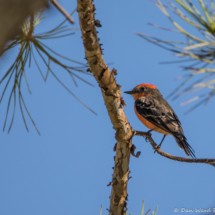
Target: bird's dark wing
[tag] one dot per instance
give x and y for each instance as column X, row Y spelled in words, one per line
column 159, row 113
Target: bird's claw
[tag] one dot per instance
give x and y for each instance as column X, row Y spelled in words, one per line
column 149, row 134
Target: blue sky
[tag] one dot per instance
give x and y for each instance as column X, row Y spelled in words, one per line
column 66, row 170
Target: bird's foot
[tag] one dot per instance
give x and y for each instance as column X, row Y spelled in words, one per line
column 149, row 134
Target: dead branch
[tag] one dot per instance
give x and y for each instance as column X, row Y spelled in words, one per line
column 62, row 10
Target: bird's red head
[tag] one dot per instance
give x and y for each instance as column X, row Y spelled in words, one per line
column 141, row 90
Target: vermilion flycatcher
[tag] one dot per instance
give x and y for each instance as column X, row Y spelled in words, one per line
column 157, row 115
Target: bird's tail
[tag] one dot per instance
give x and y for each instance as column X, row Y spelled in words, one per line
column 183, row 144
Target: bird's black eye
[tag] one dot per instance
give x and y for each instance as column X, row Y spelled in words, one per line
column 142, row 89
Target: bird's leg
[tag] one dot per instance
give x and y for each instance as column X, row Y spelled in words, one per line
column 149, row 132
column 161, row 141
column 159, row 146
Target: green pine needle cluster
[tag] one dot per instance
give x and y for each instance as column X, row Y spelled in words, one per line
column 30, row 45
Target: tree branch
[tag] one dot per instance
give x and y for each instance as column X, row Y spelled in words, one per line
column 62, row 10
column 188, row 160
column 113, row 101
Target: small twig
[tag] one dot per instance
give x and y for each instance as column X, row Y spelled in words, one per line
column 188, row 160
column 62, row 10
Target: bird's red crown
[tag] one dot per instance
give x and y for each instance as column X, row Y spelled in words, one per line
column 145, row 85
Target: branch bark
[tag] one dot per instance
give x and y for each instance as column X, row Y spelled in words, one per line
column 113, row 101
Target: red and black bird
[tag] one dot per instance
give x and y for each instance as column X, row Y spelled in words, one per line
column 157, row 115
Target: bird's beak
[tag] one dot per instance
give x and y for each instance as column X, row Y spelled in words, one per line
column 131, row 92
